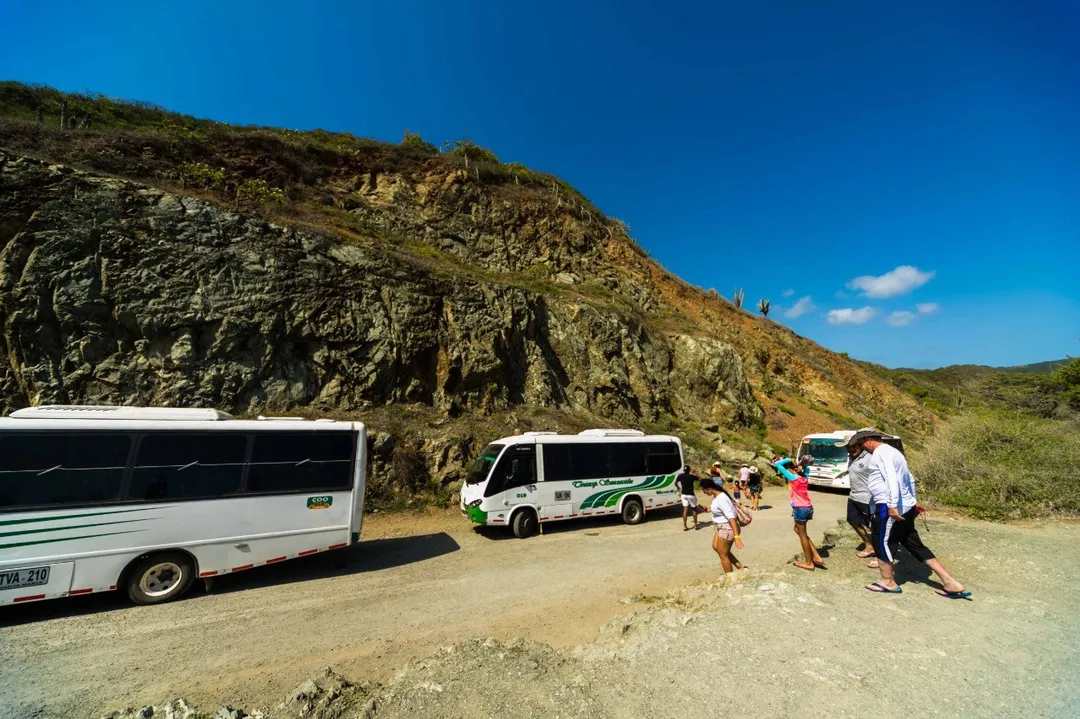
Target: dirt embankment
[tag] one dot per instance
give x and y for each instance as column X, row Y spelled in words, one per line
column 773, row 641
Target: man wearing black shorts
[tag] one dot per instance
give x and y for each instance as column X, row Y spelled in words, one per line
column 892, row 490
column 858, row 504
column 686, row 480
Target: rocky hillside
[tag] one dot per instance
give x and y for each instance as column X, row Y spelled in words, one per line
column 443, row 297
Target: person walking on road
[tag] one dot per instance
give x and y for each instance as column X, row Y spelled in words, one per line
column 726, row 520
column 754, row 486
column 802, row 509
column 686, row 480
column 892, row 490
column 742, row 488
column 858, row 504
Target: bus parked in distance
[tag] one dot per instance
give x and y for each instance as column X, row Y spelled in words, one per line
column 538, row 477
column 146, row 500
column 831, row 462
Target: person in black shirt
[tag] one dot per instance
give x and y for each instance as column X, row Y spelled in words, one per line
column 686, row 480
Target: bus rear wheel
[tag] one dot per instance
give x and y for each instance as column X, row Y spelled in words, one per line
column 160, row 578
column 632, row 511
column 525, row 524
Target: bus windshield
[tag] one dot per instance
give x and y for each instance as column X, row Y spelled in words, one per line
column 481, row 467
column 825, row 451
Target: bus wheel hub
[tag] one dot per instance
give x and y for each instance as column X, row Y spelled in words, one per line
column 161, row 579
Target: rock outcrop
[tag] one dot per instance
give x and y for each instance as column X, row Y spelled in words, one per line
column 113, row 292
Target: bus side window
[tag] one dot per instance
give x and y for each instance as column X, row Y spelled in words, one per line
column 301, row 462
column 556, row 462
column 627, row 459
column 61, row 468
column 172, row 466
column 663, row 458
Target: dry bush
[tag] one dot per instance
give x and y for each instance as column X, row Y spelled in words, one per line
column 1001, row 464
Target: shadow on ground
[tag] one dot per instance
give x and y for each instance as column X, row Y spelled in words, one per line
column 581, row 525
column 368, row 556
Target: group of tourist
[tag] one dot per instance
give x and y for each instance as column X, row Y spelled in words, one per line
column 881, row 509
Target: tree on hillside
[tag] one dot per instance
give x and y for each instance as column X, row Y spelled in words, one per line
column 1067, row 380
column 470, row 151
column 738, row 297
column 763, row 307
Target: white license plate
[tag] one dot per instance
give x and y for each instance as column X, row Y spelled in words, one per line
column 19, row 578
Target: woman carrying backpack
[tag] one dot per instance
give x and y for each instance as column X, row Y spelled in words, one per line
column 726, row 517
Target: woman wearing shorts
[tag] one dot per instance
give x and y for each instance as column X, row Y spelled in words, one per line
column 802, row 509
column 725, row 518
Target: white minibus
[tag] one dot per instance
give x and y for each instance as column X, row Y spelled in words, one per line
column 146, row 500
column 537, row 477
column 830, row 461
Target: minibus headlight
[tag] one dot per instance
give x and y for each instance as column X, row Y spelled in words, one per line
column 474, row 503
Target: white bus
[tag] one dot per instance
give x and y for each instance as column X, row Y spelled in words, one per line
column 830, row 461
column 146, row 500
column 538, row 477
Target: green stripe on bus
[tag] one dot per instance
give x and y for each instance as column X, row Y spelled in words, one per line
column 6, row 522
column 609, row 497
column 74, row 526
column 67, row 539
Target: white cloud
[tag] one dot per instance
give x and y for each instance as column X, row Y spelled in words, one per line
column 900, row 281
column 800, row 308
column 788, row 293
column 848, row 316
column 901, row 318
column 927, row 308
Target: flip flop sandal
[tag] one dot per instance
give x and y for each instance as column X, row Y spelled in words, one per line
column 882, row 589
column 865, row 555
column 800, row 565
column 820, row 565
column 952, row 595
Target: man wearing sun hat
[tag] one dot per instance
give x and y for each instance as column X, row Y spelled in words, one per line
column 892, row 494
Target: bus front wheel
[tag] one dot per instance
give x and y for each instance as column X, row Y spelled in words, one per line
column 525, row 524
column 160, row 577
column 632, row 511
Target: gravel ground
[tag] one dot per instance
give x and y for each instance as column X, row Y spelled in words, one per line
column 790, row 643
column 767, row 642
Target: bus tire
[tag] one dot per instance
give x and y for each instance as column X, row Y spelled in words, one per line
column 525, row 523
column 632, row 511
column 159, row 577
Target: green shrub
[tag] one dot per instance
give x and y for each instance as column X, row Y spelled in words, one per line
column 470, row 151
column 258, row 192
column 787, row 411
column 414, row 141
column 1002, row 464
column 201, row 175
column 768, row 385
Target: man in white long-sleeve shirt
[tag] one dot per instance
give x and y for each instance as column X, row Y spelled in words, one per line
column 892, row 495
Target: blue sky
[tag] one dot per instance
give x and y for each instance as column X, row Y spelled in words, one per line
column 777, row 146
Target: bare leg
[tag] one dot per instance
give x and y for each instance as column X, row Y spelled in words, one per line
column 888, row 577
column 684, row 510
column 865, row 537
column 947, row 580
column 727, row 560
column 807, row 547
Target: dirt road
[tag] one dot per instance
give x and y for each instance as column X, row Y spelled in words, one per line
column 785, row 642
column 415, row 582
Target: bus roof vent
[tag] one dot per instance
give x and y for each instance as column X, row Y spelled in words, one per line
column 58, row 411
column 612, row 433
column 540, row 434
column 264, row 418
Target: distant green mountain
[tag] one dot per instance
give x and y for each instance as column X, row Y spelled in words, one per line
column 1038, row 367
column 946, row 390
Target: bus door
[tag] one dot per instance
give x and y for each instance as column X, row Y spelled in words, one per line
column 516, row 475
